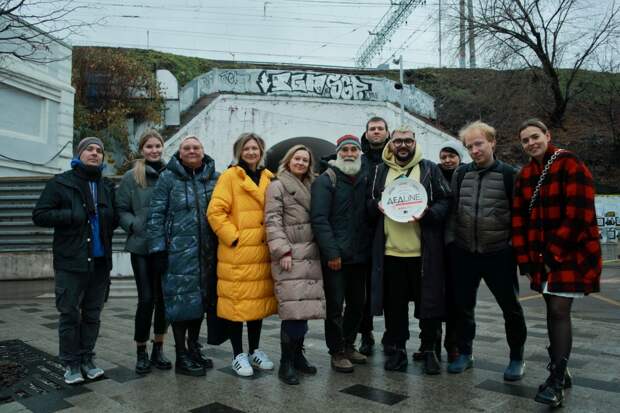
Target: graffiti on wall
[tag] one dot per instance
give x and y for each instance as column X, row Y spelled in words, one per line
column 334, row 86
column 608, row 218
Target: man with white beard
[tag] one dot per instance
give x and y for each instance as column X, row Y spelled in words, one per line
column 340, row 225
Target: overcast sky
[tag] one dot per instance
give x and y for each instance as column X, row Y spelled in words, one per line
column 318, row 32
column 324, row 32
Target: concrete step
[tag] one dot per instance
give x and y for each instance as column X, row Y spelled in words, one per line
column 123, row 288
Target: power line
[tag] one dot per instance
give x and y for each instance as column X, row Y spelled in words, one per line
column 386, row 27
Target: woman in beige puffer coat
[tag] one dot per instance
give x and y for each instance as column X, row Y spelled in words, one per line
column 295, row 258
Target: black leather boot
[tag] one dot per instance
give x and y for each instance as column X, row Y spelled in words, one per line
column 551, row 392
column 568, row 378
column 286, row 371
column 367, row 345
column 185, row 365
column 431, row 364
column 158, row 358
column 299, row 361
column 143, row 365
column 197, row 355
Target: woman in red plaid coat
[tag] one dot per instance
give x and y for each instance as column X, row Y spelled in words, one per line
column 556, row 241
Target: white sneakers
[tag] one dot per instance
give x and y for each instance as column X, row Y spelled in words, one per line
column 242, row 364
column 260, row 360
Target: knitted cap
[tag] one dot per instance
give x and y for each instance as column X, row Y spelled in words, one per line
column 348, row 140
column 453, row 147
column 88, row 141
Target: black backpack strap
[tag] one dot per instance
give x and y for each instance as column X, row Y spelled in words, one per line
column 331, row 174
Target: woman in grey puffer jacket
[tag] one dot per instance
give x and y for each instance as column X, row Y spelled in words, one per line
column 295, row 258
column 132, row 201
column 179, row 233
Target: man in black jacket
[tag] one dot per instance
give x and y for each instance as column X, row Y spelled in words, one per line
column 340, row 225
column 79, row 205
column 404, row 251
column 374, row 140
column 479, row 230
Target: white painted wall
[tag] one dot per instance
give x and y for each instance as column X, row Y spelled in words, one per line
column 280, row 118
column 36, row 113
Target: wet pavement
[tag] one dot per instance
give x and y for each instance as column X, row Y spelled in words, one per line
column 28, row 337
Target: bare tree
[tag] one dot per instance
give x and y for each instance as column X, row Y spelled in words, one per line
column 556, row 37
column 29, row 28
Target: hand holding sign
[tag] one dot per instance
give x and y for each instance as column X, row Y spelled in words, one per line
column 404, row 200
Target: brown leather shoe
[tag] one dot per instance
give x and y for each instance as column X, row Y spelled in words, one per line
column 354, row 356
column 341, row 363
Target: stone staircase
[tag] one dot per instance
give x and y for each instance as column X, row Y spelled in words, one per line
column 18, row 196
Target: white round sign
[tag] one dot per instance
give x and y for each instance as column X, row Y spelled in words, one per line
column 404, row 199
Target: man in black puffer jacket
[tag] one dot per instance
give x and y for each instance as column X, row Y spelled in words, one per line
column 79, row 205
column 340, row 225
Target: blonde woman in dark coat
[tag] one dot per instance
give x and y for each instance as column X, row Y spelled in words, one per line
column 295, row 258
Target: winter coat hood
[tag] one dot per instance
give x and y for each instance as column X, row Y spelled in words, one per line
column 390, row 159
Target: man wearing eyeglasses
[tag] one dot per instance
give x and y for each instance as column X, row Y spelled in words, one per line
column 402, row 252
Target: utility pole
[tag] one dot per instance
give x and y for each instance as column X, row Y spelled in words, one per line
column 439, row 33
column 472, row 36
column 383, row 31
column 402, row 91
column 462, row 34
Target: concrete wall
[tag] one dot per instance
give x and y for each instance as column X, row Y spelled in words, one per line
column 336, row 86
column 278, row 118
column 30, row 266
column 36, row 113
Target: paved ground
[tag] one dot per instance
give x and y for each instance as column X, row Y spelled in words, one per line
column 595, row 364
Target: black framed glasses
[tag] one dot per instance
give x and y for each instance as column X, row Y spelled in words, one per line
column 403, row 142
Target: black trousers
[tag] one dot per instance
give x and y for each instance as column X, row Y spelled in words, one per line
column 79, row 300
column 295, row 329
column 499, row 272
column 366, row 326
column 346, row 285
column 148, row 282
column 402, row 284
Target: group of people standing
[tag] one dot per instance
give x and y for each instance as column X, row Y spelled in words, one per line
column 245, row 244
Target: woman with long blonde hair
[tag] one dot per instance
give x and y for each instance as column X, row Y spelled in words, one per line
column 295, row 259
column 245, row 287
column 133, row 198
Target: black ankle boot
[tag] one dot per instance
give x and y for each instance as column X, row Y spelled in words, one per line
column 431, row 364
column 197, row 355
column 367, row 345
column 143, row 365
column 286, row 371
column 397, row 361
column 185, row 365
column 158, row 358
column 568, row 378
column 551, row 392
column 299, row 361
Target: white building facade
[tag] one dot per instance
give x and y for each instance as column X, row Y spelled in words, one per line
column 36, row 111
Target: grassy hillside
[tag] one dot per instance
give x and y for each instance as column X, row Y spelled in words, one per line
column 502, row 98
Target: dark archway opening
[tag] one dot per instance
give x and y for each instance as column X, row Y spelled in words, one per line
column 319, row 148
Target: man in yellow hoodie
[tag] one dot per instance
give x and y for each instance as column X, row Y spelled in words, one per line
column 407, row 258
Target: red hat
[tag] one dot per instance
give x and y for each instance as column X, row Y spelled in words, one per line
column 348, row 140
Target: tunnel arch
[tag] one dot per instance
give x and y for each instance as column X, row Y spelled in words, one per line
column 319, row 147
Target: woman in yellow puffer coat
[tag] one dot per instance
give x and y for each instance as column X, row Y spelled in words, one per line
column 245, row 287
